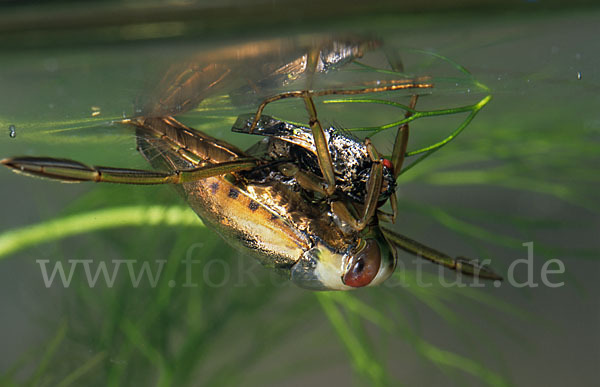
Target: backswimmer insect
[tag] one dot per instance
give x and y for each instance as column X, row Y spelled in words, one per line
column 304, row 200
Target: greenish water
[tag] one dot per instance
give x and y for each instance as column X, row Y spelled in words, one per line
column 525, row 170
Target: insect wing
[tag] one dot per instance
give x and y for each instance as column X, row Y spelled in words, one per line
column 247, row 72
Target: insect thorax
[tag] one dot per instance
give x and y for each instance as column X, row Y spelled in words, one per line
column 351, row 163
column 287, row 142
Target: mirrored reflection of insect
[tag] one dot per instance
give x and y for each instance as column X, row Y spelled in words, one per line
column 304, row 200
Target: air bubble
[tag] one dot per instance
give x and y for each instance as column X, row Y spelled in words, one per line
column 579, row 76
column 12, row 132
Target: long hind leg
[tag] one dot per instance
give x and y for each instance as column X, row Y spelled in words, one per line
column 73, row 171
column 460, row 264
column 192, row 155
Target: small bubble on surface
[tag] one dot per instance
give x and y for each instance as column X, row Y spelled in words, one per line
column 12, row 131
column 579, row 76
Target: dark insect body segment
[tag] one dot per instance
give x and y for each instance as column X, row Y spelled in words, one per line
column 351, row 162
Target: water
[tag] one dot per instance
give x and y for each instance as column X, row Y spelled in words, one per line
column 523, row 171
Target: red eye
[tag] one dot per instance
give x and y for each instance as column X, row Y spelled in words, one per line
column 363, row 266
column 388, row 164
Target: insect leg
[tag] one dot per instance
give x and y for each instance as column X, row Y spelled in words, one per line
column 373, row 190
column 307, row 180
column 73, row 171
column 460, row 264
column 402, row 140
column 266, row 101
column 372, row 197
column 312, row 61
column 398, row 155
column 373, row 184
column 325, row 162
column 390, row 218
column 417, row 83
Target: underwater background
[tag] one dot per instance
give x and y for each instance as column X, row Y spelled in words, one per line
column 520, row 182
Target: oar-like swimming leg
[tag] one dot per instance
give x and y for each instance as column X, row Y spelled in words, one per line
column 73, row 171
column 461, row 264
